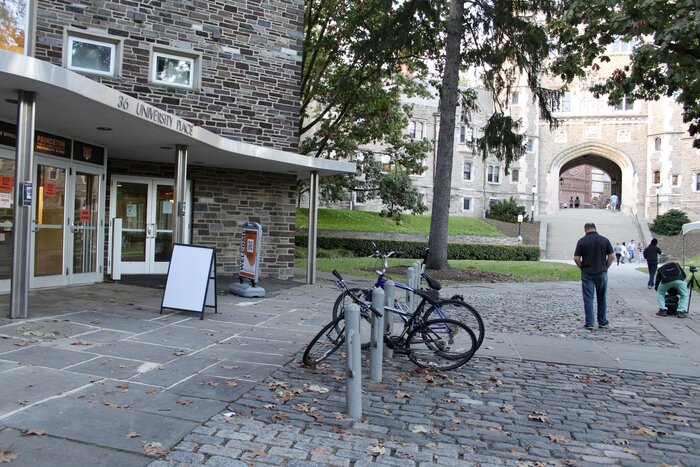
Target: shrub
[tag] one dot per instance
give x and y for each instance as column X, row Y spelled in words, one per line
column 669, row 223
column 302, row 252
column 364, row 247
column 506, row 211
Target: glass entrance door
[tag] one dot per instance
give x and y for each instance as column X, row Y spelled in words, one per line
column 7, row 186
column 86, row 253
column 146, row 209
column 48, row 266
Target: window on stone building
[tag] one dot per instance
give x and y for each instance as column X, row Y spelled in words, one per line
column 493, row 174
column 530, row 144
column 416, row 130
column 621, row 46
column 467, row 171
column 657, row 144
column 674, row 179
column 656, row 177
column 90, row 54
column 561, row 101
column 515, row 175
column 515, row 98
column 627, row 103
column 466, row 204
column 386, row 162
column 696, row 179
column 174, row 68
column 359, row 195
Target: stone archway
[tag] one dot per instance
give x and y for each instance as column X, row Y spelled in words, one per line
column 604, row 157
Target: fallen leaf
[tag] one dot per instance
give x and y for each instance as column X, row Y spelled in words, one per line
column 79, row 342
column 507, row 409
column 133, row 434
column 339, row 416
column 123, row 386
column 155, row 449
column 538, row 417
column 114, row 405
column 209, row 383
column 630, row 451
column 124, row 365
column 621, row 442
column 258, row 453
column 269, row 406
column 279, row 416
column 494, row 379
column 179, row 353
column 276, row 384
column 304, row 407
column 232, row 383
column 419, row 429
column 23, row 402
column 183, row 402
column 402, row 395
column 229, row 367
column 151, row 390
column 318, row 389
column 6, row 456
column 558, row 438
column 33, row 431
column 377, row 449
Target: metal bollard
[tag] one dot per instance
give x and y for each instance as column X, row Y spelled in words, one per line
column 353, row 380
column 417, row 266
column 377, row 342
column 389, row 291
column 410, row 279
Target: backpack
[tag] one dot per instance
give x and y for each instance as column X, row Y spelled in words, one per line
column 670, row 272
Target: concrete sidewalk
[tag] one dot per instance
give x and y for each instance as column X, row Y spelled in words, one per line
column 107, row 380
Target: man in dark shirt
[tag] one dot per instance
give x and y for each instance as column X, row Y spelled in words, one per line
column 651, row 254
column 594, row 255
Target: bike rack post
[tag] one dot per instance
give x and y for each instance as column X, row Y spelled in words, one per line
column 417, row 267
column 353, row 380
column 389, row 294
column 410, row 279
column 377, row 342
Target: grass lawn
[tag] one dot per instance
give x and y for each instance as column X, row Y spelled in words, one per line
column 525, row 271
column 363, row 221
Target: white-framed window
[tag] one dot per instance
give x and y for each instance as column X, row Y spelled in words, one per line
column 627, row 103
column 466, row 135
column 53, row 173
column 493, row 173
column 515, row 98
column 696, row 181
column 561, row 102
column 385, row 159
column 530, row 144
column 359, row 195
column 657, row 144
column 656, row 177
column 621, row 46
column 174, row 68
column 466, row 204
column 515, row 175
column 467, row 171
column 92, row 54
column 674, row 179
column 415, row 129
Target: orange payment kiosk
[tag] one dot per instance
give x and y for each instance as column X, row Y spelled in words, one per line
column 249, row 270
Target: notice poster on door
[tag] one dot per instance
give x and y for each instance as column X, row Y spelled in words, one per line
column 50, row 190
column 132, row 210
column 250, row 251
column 5, row 200
column 7, row 184
column 85, row 215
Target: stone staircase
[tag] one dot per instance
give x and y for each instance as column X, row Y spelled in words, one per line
column 566, row 227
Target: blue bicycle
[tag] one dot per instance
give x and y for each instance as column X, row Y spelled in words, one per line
column 430, row 305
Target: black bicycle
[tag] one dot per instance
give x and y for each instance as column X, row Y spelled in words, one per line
column 429, row 302
column 442, row 344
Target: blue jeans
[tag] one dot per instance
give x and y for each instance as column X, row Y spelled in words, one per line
column 652, row 273
column 682, row 292
column 594, row 283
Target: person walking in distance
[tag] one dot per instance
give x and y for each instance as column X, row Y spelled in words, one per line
column 594, row 255
column 613, row 202
column 577, row 202
column 618, row 252
column 651, row 254
column 631, row 248
column 624, row 253
column 571, row 202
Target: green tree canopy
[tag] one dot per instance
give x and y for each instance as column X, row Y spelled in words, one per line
column 665, row 61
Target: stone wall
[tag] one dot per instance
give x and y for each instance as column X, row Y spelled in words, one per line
column 223, row 200
column 250, row 58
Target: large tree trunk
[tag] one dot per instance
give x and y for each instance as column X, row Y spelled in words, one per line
column 442, row 185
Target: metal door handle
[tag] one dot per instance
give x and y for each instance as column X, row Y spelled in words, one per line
column 150, row 230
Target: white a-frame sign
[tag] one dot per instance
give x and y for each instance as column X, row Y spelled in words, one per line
column 191, row 282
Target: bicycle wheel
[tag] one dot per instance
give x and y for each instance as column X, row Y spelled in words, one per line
column 441, row 344
column 344, row 300
column 326, row 342
column 460, row 311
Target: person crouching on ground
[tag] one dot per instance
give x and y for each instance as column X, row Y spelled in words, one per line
column 671, row 275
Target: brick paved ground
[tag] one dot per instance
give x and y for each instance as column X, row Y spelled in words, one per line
column 491, row 412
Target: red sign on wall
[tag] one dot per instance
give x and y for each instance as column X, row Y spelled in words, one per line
column 50, row 190
column 85, row 215
column 7, row 184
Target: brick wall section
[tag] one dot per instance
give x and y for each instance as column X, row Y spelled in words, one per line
column 250, row 75
column 223, row 200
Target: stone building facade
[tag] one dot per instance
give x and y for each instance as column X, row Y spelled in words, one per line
column 640, row 151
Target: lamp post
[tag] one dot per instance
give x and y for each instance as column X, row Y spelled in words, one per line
column 532, row 208
column 658, row 192
column 521, row 217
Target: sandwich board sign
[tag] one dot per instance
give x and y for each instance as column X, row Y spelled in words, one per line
column 191, row 281
column 250, row 262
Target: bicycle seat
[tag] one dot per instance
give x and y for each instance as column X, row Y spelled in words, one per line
column 432, row 283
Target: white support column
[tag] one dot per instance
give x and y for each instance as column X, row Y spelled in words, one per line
column 22, row 220
column 313, row 228
column 179, row 195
